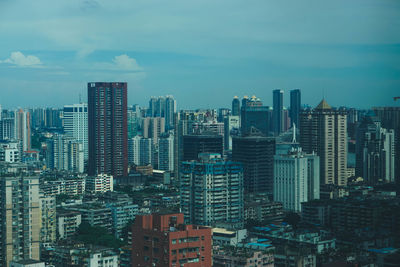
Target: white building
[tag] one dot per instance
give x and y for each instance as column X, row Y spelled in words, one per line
column 100, row 183
column 296, row 178
column 231, row 127
column 22, row 128
column 75, row 123
column 9, row 152
column 166, row 153
column 67, row 223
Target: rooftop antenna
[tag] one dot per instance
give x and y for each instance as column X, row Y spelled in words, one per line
column 80, row 98
column 294, row 133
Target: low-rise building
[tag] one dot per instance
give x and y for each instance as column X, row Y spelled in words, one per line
column 99, row 184
column 224, row 237
column 242, row 257
column 67, row 223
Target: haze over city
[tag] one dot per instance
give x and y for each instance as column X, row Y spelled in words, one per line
column 203, row 53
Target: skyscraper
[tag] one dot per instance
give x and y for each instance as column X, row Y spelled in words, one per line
column 296, row 178
column 256, row 153
column 323, row 130
column 375, row 152
column 278, row 111
column 20, row 214
column 254, row 114
column 170, row 110
column 295, row 106
column 235, row 106
column 75, row 123
column 211, row 191
column 166, row 153
column 23, row 128
column 193, row 145
column 108, row 131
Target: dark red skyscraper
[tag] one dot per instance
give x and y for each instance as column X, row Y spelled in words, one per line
column 108, row 139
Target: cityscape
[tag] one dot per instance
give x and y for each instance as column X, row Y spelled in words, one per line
column 102, row 165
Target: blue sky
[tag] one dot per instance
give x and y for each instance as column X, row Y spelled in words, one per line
column 202, row 52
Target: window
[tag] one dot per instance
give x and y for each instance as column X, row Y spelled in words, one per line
column 173, row 241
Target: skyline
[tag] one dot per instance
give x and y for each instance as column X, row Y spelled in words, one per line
column 202, row 53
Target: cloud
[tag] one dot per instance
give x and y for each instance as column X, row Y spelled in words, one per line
column 124, row 62
column 20, row 60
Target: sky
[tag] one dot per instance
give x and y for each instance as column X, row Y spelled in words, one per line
column 202, row 52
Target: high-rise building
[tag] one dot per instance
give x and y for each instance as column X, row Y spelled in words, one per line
column 153, row 127
column 48, row 228
column 235, row 106
column 165, row 241
column 75, row 123
column 193, row 145
column 295, row 106
column 19, row 210
column 108, row 133
column 166, row 153
column 296, row 178
column 140, row 151
column 134, row 121
column 254, row 114
column 231, row 128
column 65, row 153
column 390, row 118
column 375, row 152
column 278, row 111
column 22, row 127
column 170, row 110
column 256, row 153
column 323, row 131
column 211, row 191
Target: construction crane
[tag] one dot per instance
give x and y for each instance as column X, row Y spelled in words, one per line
column 396, row 97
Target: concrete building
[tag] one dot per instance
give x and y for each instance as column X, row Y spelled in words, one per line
column 100, row 183
column 242, row 257
column 231, row 128
column 108, row 128
column 153, row 127
column 296, row 178
column 9, row 152
column 27, row 263
column 323, row 131
column 263, row 211
column 70, row 186
column 75, row 124
column 212, row 191
column 170, row 110
column 375, row 152
column 48, row 230
column 166, row 153
column 20, row 230
column 67, row 223
column 94, row 214
column 122, row 213
column 224, row 237
column 256, row 153
column 193, row 145
column 22, row 128
column 164, row 240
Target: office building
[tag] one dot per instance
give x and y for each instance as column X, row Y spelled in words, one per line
column 164, row 240
column 166, row 153
column 323, row 131
column 375, row 152
column 108, row 133
column 295, row 106
column 195, row 144
column 20, row 236
column 296, row 178
column 235, row 106
column 212, row 191
column 256, row 153
column 278, row 111
column 75, row 124
column 254, row 114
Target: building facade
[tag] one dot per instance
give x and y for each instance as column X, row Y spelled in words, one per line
column 75, row 124
column 108, row 129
